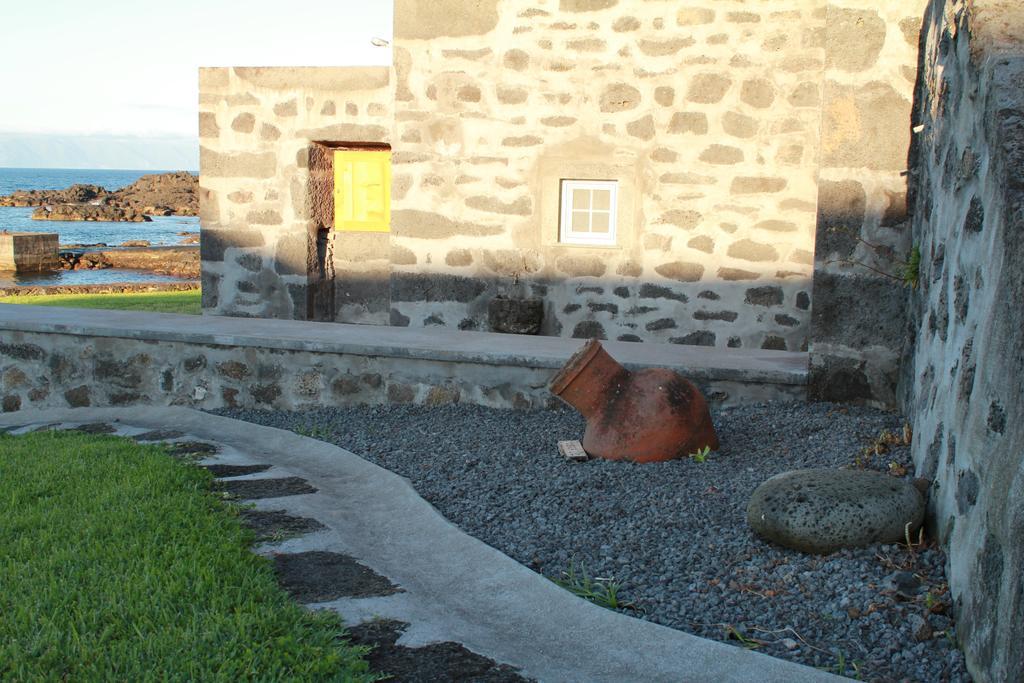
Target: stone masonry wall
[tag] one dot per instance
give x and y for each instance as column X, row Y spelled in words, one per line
column 39, row 370
column 962, row 377
column 707, row 114
column 257, row 129
column 858, row 323
column 716, row 118
column 68, row 362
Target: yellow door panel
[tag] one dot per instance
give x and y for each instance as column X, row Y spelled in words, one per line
column 362, row 191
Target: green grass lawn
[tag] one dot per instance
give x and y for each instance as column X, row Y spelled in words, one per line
column 117, row 563
column 154, row 302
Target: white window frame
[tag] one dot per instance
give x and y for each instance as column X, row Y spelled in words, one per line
column 566, row 235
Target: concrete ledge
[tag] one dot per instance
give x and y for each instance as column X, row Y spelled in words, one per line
column 696, row 362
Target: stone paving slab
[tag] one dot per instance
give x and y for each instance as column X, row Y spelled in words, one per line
column 454, row 587
column 488, row 348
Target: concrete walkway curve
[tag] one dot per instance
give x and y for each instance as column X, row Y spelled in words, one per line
column 455, row 588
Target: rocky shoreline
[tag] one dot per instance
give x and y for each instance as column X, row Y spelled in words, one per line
column 180, row 261
column 88, row 212
column 112, row 288
column 160, row 194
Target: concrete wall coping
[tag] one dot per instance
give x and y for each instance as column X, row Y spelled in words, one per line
column 487, row 348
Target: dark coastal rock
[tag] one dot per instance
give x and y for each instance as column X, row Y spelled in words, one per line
column 162, row 194
column 823, row 510
column 89, row 212
column 159, row 194
column 76, row 194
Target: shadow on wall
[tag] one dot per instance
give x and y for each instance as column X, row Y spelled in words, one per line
column 773, row 315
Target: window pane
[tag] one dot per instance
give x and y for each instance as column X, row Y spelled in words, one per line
column 602, row 199
column 581, row 199
column 599, row 221
column 580, row 221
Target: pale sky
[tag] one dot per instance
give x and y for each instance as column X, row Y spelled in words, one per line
column 124, row 69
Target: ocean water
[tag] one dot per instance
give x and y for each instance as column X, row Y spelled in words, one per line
column 12, row 179
column 163, row 230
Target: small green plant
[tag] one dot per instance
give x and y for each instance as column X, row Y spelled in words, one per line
column 700, row 455
column 844, row 668
column 912, row 267
column 909, row 268
column 600, row 591
column 314, row 432
column 747, row 643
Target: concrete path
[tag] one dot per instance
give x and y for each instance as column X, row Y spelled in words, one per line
column 453, row 587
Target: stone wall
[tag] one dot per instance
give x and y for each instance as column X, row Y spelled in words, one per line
column 858, row 323
column 68, row 370
column 55, row 357
column 257, row 130
column 708, row 115
column 962, row 378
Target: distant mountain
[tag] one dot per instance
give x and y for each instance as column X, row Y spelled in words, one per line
column 36, row 150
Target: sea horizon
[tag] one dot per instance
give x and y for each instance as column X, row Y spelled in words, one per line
column 13, row 178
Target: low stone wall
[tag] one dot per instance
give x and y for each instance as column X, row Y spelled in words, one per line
column 52, row 357
column 962, row 380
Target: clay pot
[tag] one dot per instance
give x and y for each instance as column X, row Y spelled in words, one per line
column 646, row 416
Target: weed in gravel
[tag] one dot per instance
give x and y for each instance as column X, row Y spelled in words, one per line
column 881, row 445
column 315, row 432
column 600, row 591
column 700, row 455
column 844, row 668
column 747, row 642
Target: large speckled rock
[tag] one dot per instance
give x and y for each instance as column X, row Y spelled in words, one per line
column 823, row 510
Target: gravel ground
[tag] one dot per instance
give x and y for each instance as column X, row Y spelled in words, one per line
column 674, row 535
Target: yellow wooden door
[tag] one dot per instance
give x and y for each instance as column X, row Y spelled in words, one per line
column 362, row 191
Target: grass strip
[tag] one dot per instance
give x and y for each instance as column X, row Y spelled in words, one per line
column 118, row 563
column 154, row 302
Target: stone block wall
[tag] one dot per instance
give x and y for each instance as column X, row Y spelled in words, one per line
column 708, row 115
column 858, row 322
column 43, row 369
column 962, row 378
column 258, row 128
column 54, row 357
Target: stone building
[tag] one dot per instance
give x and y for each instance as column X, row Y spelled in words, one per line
column 695, row 173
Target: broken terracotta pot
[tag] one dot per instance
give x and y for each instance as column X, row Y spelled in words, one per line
column 650, row 415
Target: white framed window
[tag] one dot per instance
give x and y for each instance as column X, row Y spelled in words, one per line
column 589, row 210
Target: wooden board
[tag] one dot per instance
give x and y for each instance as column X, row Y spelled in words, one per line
column 572, row 451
